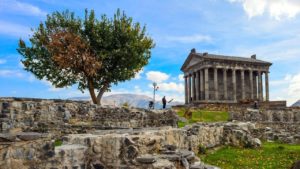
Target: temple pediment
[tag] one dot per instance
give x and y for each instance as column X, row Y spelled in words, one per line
column 191, row 61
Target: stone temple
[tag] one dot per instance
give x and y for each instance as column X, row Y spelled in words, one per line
column 211, row 78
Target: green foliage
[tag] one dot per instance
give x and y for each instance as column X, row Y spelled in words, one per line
column 119, row 44
column 271, row 155
column 181, row 124
column 126, row 104
column 58, row 143
column 199, row 115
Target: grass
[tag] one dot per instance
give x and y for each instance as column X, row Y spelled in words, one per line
column 199, row 115
column 58, row 143
column 270, row 156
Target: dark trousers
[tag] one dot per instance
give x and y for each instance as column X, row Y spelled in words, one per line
column 164, row 105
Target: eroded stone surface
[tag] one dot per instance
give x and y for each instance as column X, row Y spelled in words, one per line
column 76, row 116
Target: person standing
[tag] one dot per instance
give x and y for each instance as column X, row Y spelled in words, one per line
column 164, row 102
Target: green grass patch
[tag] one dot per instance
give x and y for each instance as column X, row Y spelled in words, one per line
column 58, row 143
column 199, row 115
column 270, row 156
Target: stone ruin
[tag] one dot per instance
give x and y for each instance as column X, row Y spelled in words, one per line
column 60, row 134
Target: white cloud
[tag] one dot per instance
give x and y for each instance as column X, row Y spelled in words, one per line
column 181, row 77
column 52, row 88
column 294, row 86
column 11, row 73
column 281, row 82
column 2, row 61
column 172, row 86
column 15, row 30
column 283, row 50
column 289, row 89
column 157, row 76
column 138, row 75
column 275, row 8
column 21, row 8
column 189, row 38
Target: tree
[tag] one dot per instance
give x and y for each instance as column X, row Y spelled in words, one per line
column 93, row 53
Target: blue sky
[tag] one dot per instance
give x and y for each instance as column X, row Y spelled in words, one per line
column 268, row 28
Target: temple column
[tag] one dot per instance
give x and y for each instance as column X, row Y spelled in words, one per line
column 193, row 86
column 243, row 84
column 197, row 85
column 201, row 85
column 251, row 83
column 186, row 89
column 206, row 85
column 225, row 83
column 260, row 88
column 267, row 85
column 255, row 86
column 216, row 84
column 189, row 88
column 234, row 84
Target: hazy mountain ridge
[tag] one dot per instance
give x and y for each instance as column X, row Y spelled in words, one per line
column 297, row 104
column 134, row 100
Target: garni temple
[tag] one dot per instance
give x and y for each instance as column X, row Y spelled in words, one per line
column 211, row 78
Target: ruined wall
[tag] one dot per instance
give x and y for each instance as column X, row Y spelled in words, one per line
column 272, row 124
column 288, row 115
column 41, row 114
column 152, row 148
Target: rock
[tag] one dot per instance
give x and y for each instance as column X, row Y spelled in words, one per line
column 170, row 157
column 67, row 115
column 185, row 163
column 296, row 165
column 96, row 149
column 167, row 152
column 132, row 152
column 182, row 119
column 4, row 137
column 71, row 155
column 97, row 165
column 186, row 153
column 5, row 105
column 27, row 136
column 163, row 163
column 256, row 142
column 146, row 159
column 128, row 141
column 198, row 166
column 151, row 142
column 210, row 167
column 268, row 128
column 170, row 147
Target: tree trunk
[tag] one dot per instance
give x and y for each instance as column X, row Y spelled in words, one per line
column 100, row 94
column 92, row 91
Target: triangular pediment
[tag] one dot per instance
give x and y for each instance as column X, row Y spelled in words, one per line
column 191, row 61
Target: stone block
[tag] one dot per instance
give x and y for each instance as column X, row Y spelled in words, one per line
column 27, row 136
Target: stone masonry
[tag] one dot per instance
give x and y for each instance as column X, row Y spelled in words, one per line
column 39, row 114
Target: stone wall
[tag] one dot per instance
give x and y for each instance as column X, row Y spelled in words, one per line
column 278, row 131
column 153, row 148
column 234, row 106
column 41, row 114
column 272, row 124
column 288, row 115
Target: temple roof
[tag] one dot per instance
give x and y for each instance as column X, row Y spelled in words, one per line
column 231, row 58
column 207, row 56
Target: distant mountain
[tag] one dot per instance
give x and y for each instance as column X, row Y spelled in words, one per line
column 297, row 104
column 134, row 100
